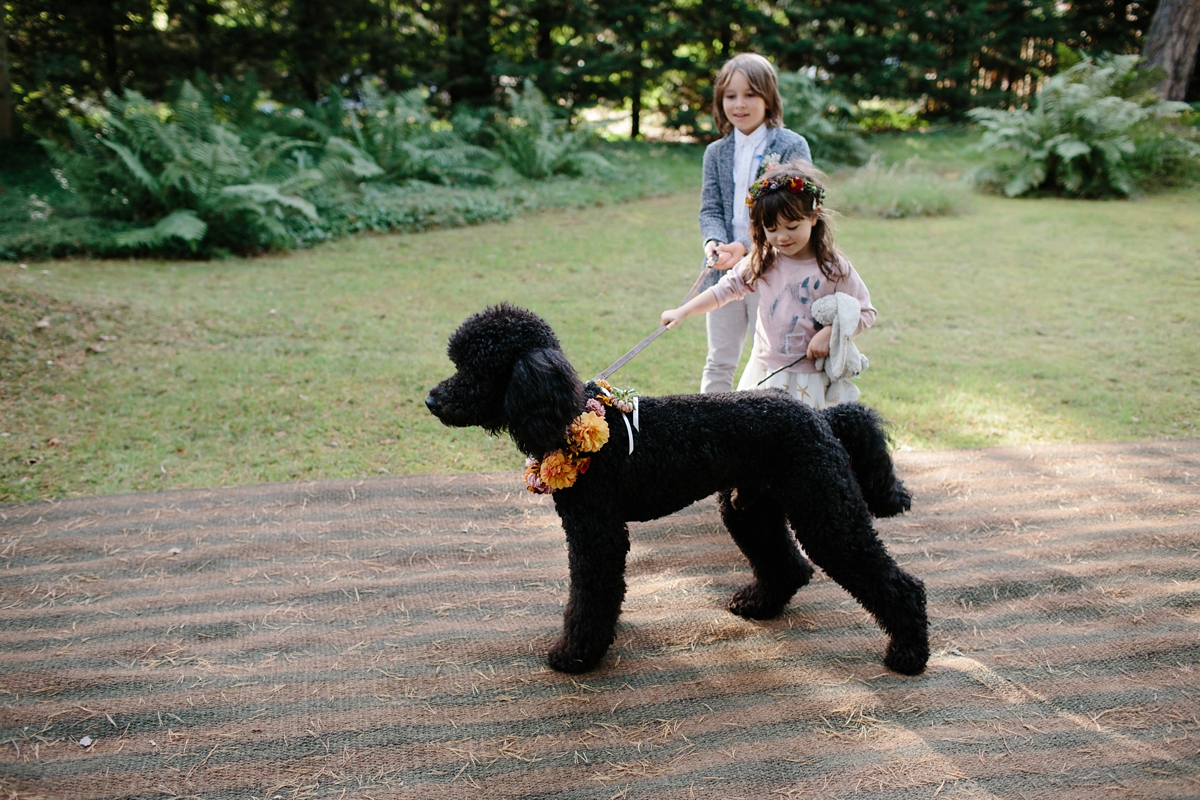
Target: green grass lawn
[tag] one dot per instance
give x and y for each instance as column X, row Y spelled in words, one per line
column 951, row 151
column 1026, row 321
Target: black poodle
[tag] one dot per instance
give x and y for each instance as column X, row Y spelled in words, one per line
column 774, row 461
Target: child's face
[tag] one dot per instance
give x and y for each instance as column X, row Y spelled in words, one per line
column 744, row 107
column 792, row 237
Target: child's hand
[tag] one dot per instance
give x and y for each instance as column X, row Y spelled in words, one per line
column 672, row 317
column 729, row 254
column 818, row 345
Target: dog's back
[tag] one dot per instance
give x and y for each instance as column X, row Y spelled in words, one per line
column 712, row 442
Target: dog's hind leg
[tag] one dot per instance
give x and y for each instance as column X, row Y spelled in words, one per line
column 758, row 526
column 596, row 550
column 849, row 551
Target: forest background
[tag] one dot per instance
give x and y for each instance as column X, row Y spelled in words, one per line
column 655, row 56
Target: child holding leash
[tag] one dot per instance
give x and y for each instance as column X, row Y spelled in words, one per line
column 792, row 263
column 748, row 112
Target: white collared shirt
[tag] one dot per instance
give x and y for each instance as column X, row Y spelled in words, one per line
column 747, row 155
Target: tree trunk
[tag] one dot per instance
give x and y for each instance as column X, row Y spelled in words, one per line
column 635, row 97
column 112, row 71
column 468, row 50
column 6, row 98
column 545, row 16
column 638, row 74
column 203, row 11
column 1171, row 44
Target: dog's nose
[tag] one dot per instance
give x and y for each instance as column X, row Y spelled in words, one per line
column 431, row 403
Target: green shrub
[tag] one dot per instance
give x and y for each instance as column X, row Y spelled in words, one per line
column 883, row 116
column 400, row 134
column 824, row 118
column 245, row 106
column 537, row 144
column 190, row 177
column 1166, row 149
column 185, row 179
column 876, row 190
column 416, row 206
column 1097, row 130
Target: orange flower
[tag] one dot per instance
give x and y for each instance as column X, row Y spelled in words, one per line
column 533, row 477
column 558, row 471
column 589, row 432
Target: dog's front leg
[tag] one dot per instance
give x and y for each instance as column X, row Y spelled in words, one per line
column 596, row 549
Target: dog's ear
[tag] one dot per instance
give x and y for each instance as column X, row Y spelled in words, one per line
column 544, row 395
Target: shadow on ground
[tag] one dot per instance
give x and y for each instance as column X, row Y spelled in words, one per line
column 385, row 638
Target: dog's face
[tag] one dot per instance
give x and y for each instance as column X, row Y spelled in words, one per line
column 511, row 375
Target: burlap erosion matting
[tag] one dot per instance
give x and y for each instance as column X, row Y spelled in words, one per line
column 385, row 639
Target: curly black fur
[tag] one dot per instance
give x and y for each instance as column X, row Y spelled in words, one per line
column 783, row 472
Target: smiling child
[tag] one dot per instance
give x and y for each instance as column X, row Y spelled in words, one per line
column 792, row 263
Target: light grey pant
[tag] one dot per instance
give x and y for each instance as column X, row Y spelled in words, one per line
column 727, row 329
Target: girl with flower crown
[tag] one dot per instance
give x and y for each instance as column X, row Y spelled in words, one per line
column 792, row 263
column 748, row 112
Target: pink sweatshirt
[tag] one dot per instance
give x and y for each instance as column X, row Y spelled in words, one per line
column 786, row 294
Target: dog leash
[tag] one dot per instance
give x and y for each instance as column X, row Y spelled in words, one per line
column 818, row 326
column 781, row 369
column 640, row 346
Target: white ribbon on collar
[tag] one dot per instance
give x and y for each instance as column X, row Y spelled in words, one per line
column 636, row 424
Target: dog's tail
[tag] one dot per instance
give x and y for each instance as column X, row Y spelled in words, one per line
column 863, row 433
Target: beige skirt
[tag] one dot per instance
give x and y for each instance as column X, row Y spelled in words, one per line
column 807, row 387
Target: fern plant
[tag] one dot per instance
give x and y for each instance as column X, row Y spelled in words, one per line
column 824, row 118
column 400, row 134
column 406, row 140
column 1083, row 137
column 535, row 143
column 193, row 178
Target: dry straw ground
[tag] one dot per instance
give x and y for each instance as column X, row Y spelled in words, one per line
column 383, row 638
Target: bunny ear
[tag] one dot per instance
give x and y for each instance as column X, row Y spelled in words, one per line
column 544, row 395
column 844, row 323
column 849, row 312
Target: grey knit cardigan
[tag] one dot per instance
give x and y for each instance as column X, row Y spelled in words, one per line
column 716, row 195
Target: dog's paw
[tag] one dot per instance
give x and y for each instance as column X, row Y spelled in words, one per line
column 752, row 602
column 907, row 659
column 561, row 658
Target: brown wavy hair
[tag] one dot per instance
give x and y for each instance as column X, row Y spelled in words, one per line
column 762, row 79
column 781, row 205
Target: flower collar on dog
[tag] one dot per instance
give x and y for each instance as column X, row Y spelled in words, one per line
column 586, row 434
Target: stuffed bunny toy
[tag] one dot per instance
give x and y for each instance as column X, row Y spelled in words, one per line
column 844, row 362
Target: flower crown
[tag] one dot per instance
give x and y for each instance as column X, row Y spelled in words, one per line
column 793, row 184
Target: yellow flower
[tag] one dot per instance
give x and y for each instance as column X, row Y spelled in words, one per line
column 589, row 432
column 558, row 471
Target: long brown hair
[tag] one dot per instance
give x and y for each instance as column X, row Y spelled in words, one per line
column 780, row 205
column 762, row 79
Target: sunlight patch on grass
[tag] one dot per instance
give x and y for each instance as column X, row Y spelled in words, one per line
column 963, row 418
